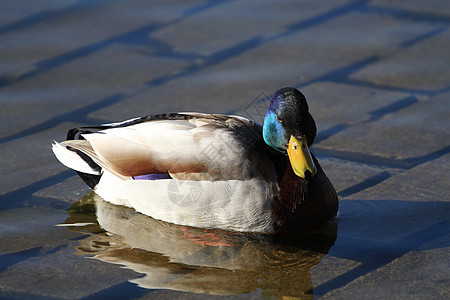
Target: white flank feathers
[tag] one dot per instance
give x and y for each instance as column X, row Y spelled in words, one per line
column 239, row 205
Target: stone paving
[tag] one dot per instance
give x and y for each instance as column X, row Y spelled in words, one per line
column 376, row 75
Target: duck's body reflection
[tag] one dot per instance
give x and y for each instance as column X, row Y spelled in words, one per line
column 201, row 261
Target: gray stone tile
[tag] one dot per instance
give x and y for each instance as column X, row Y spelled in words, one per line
column 333, row 105
column 356, row 43
column 409, row 129
column 247, row 21
column 11, row 13
column 347, row 176
column 61, row 274
column 413, row 276
column 399, row 207
column 29, row 159
column 420, row 66
column 331, row 267
column 101, row 27
column 65, row 192
column 433, row 7
column 390, row 237
column 386, row 221
column 427, row 181
column 28, row 228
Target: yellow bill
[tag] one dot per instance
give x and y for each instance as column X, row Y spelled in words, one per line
column 300, row 157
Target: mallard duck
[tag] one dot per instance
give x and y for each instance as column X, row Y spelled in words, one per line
column 210, row 170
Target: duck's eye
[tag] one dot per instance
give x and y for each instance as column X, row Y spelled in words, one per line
column 279, row 120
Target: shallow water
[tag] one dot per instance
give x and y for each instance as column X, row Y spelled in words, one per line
column 195, row 260
column 215, row 262
column 378, row 92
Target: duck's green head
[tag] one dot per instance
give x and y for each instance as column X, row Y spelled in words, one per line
column 290, row 128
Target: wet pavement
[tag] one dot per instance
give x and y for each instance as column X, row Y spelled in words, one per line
column 376, row 75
